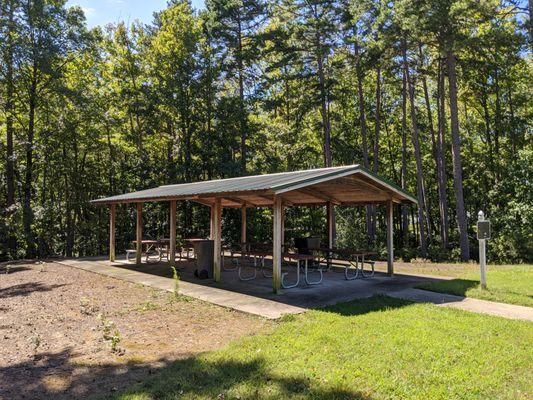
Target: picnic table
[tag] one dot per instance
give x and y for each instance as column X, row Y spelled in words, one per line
column 352, row 258
column 243, row 251
column 151, row 246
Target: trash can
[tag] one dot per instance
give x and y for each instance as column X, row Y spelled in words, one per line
column 304, row 244
column 204, row 250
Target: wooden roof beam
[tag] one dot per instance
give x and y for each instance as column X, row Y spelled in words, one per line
column 234, row 200
column 359, row 183
column 319, row 195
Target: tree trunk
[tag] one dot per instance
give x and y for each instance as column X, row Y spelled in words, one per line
column 362, row 123
column 456, row 157
column 403, row 171
column 377, row 132
column 244, row 125
column 323, row 102
column 441, row 160
column 437, row 157
column 27, row 216
column 530, row 23
column 10, row 167
column 422, row 221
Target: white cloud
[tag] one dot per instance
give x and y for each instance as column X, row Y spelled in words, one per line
column 88, row 11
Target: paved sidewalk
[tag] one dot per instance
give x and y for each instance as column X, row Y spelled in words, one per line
column 257, row 297
column 238, row 301
column 510, row 311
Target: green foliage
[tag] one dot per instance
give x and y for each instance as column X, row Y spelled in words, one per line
column 254, row 87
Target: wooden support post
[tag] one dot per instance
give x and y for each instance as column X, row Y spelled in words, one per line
column 283, row 227
column 390, row 242
column 172, row 246
column 112, row 232
column 217, row 237
column 243, row 223
column 276, row 239
column 212, row 222
column 330, row 222
column 330, row 216
column 139, row 234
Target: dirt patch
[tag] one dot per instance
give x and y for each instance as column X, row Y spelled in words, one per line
column 67, row 333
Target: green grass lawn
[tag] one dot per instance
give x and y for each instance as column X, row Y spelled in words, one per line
column 378, row 348
column 511, row 284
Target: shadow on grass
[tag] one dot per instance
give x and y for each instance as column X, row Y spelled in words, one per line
column 372, row 304
column 457, row 287
column 25, row 289
column 57, row 376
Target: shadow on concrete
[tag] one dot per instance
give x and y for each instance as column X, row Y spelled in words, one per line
column 57, row 376
column 334, row 288
column 25, row 289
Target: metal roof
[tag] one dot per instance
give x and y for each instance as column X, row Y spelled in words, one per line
column 272, row 183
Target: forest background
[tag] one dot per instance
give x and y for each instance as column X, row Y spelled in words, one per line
column 435, row 95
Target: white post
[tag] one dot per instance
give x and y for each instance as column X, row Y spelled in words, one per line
column 482, row 255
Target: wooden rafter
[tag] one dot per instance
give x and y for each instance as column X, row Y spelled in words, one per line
column 359, row 183
column 316, row 193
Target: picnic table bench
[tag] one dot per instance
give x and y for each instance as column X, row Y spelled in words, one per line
column 152, row 246
column 242, row 252
column 352, row 258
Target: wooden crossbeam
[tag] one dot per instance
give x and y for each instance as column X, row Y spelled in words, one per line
column 359, row 183
column 319, row 195
column 232, row 200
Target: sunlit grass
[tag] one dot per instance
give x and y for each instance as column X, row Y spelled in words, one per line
column 506, row 284
column 378, row 348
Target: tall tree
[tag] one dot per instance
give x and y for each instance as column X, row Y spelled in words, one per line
column 236, row 27
column 420, row 184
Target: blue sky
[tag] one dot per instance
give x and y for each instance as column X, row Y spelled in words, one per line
column 102, row 12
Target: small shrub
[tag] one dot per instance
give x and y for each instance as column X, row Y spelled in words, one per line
column 86, row 307
column 36, row 342
column 176, row 279
column 110, row 334
column 147, row 306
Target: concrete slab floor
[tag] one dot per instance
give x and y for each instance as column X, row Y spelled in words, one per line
column 256, row 296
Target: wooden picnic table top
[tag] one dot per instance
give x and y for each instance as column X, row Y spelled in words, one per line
column 291, row 256
column 147, row 241
column 344, row 251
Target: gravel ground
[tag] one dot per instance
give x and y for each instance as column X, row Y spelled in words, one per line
column 68, row 333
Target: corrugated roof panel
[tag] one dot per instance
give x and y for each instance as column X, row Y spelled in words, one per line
column 282, row 181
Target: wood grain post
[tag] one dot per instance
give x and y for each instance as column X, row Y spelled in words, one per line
column 112, row 210
column 243, row 223
column 212, row 223
column 330, row 221
column 330, row 216
column 172, row 246
column 217, row 237
column 276, row 240
column 139, row 235
column 390, row 241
